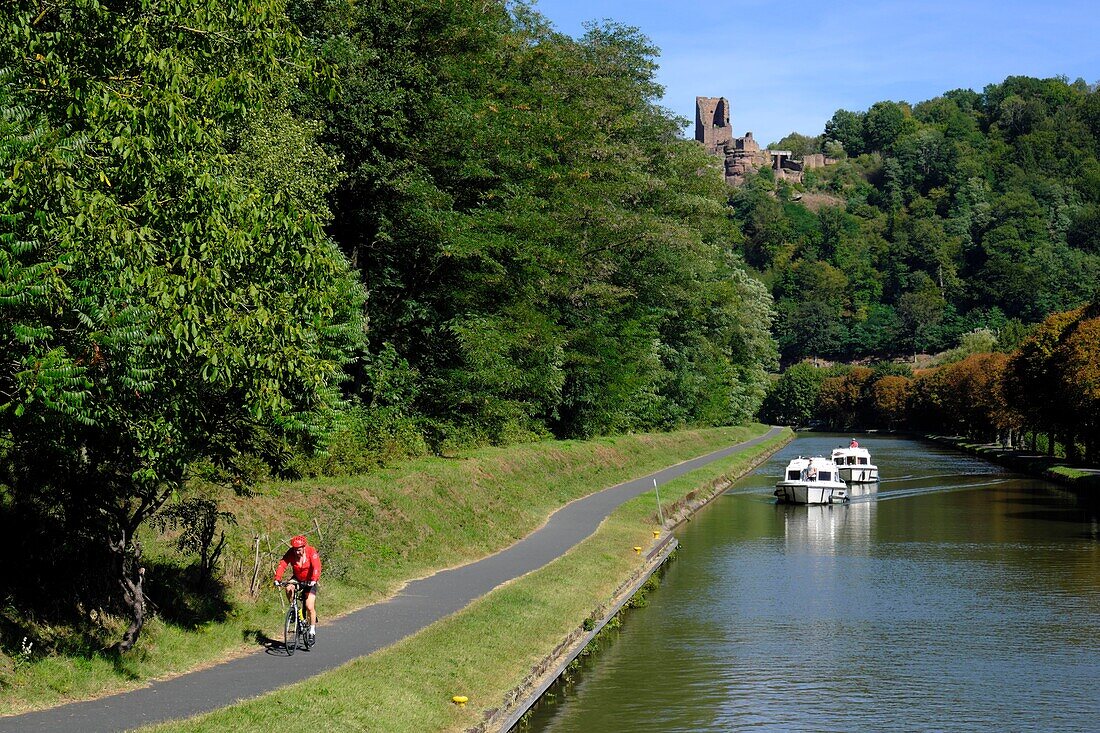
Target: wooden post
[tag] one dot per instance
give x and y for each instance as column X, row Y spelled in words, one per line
column 254, row 587
column 660, row 514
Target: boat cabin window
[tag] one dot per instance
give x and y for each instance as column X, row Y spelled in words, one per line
column 792, row 475
column 863, row 461
column 825, row 475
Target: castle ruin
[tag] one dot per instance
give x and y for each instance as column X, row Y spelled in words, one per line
column 744, row 154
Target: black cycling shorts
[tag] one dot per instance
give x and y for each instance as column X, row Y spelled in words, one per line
column 305, row 588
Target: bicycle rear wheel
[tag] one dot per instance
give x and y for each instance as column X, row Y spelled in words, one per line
column 290, row 630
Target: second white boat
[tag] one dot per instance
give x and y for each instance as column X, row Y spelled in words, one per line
column 854, row 464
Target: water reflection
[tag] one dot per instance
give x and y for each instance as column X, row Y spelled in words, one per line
column 952, row 596
column 821, row 528
column 866, row 491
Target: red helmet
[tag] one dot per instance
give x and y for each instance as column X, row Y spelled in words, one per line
column 298, row 541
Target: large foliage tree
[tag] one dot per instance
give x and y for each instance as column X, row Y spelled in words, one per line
column 542, row 247
column 159, row 307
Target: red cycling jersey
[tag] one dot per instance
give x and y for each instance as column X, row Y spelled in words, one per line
column 306, row 564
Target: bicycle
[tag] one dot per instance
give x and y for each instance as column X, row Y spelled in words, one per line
column 295, row 625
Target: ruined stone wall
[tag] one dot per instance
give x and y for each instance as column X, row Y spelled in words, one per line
column 817, row 160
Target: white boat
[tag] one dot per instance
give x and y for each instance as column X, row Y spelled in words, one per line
column 854, row 464
column 811, row 481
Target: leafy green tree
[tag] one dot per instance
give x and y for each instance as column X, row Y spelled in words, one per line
column 877, row 334
column 810, row 327
column 164, row 309
column 846, row 128
column 766, row 229
column 540, row 245
column 920, row 311
column 1084, row 233
column 800, row 145
column 927, row 159
column 810, row 301
column 792, row 398
column 885, row 123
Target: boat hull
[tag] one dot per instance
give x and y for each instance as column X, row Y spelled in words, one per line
column 858, row 474
column 792, row 492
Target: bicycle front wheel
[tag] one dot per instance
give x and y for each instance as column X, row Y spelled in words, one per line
column 290, row 630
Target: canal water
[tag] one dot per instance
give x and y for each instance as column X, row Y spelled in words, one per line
column 953, row 596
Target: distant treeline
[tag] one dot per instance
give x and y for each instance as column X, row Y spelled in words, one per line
column 973, row 210
column 1048, row 388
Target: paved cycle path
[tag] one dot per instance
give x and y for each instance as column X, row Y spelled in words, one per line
column 359, row 633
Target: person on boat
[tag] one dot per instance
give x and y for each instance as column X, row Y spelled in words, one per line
column 854, row 443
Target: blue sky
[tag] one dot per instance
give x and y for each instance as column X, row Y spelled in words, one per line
column 787, row 66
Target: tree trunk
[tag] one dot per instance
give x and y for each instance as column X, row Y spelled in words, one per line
column 1073, row 453
column 131, row 577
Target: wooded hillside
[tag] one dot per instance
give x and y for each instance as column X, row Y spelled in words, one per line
column 973, row 210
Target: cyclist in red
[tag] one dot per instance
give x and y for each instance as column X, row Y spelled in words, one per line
column 307, row 571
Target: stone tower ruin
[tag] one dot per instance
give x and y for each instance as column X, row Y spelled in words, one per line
column 712, row 122
column 743, row 154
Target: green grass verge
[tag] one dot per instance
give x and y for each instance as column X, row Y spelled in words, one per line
column 1084, row 480
column 379, row 531
column 481, row 652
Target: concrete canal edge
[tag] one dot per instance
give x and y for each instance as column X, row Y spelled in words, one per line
column 524, row 696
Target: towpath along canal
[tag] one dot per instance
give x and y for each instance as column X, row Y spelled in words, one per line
column 357, row 634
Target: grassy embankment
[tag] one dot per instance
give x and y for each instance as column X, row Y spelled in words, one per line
column 1083, row 481
column 481, row 652
column 380, row 530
